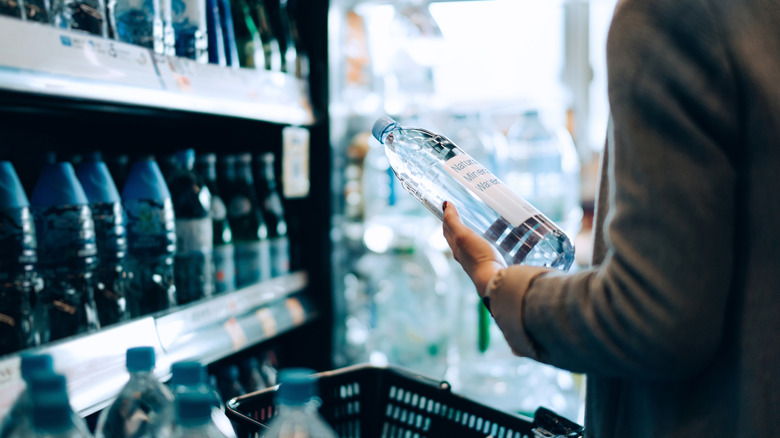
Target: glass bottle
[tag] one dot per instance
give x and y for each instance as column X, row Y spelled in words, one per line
column 270, row 201
column 193, row 263
column 67, row 254
column 434, row 170
column 110, row 236
column 272, row 56
column 247, row 37
column 223, row 249
column 250, row 233
column 19, row 279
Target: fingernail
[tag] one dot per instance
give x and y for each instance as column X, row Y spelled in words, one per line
column 444, row 206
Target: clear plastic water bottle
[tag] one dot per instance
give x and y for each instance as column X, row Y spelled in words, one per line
column 19, row 412
column 151, row 239
column 543, row 166
column 434, row 170
column 80, row 15
column 111, row 237
column 53, row 417
column 43, row 386
column 19, row 279
column 297, row 404
column 194, row 418
column 270, row 201
column 189, row 377
column 67, row 254
column 144, row 406
column 194, row 264
column 189, row 27
column 223, row 249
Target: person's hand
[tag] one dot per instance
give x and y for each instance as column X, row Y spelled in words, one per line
column 476, row 255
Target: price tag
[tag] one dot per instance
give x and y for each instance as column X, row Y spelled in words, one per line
column 267, row 321
column 296, row 310
column 236, row 333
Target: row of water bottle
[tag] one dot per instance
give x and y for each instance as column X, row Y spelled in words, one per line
column 188, row 406
column 78, row 255
column 259, row 34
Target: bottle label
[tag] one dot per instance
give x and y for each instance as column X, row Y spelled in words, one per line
column 253, row 262
column 280, row 256
column 150, row 227
column 490, row 189
column 225, row 269
column 66, row 239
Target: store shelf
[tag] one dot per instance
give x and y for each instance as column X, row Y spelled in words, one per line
column 40, row 59
column 206, row 331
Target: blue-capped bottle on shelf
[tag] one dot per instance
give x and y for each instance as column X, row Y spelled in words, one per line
column 193, row 263
column 223, row 249
column 190, row 27
column 67, row 254
column 433, row 169
column 189, row 377
column 111, row 236
column 151, row 239
column 144, row 406
column 19, row 279
column 297, row 407
column 19, row 412
column 51, row 415
column 138, row 22
column 194, row 418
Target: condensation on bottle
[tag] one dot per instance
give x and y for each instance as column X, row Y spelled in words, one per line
column 433, row 169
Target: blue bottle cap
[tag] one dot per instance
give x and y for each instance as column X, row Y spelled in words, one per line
column 382, row 125
column 140, row 359
column 11, row 191
column 193, row 407
column 32, row 364
column 145, row 181
column 97, row 182
column 186, row 158
column 47, row 383
column 52, row 413
column 187, row 373
column 297, row 386
column 58, row 186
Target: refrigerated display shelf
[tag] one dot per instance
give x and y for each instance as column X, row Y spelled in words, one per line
column 206, row 331
column 41, row 59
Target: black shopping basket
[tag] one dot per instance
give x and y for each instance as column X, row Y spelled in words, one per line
column 365, row 401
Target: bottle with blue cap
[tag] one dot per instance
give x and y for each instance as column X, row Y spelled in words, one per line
column 297, row 404
column 144, row 406
column 111, row 238
column 151, row 239
column 189, row 377
column 194, row 418
column 52, row 415
column 194, row 263
column 433, row 169
column 67, row 254
column 19, row 279
column 29, row 365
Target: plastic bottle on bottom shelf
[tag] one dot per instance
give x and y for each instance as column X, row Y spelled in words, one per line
column 297, row 404
column 53, row 417
column 543, row 167
column 434, row 170
column 29, row 366
column 194, row 418
column 80, row 15
column 144, row 406
column 250, row 232
column 110, row 236
column 189, row 377
column 193, row 263
column 19, row 279
column 67, row 254
column 270, row 201
column 151, row 239
column 223, row 248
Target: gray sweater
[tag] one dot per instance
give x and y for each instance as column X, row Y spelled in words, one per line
column 677, row 325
